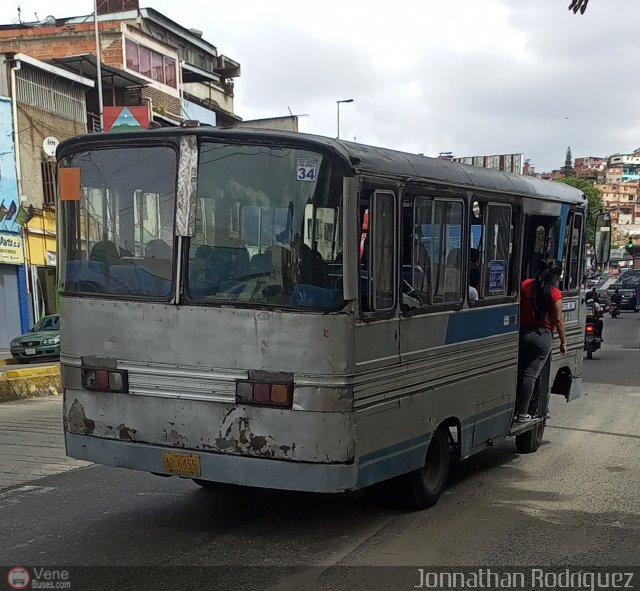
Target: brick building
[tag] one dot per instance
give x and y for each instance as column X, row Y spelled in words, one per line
column 147, row 59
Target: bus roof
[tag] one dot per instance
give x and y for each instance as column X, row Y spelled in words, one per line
column 366, row 159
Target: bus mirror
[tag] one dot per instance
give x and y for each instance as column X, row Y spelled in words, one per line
column 602, row 239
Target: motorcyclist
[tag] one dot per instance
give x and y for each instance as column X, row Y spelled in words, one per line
column 616, row 298
column 592, row 299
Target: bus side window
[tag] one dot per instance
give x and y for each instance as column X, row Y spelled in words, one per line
column 382, row 263
column 499, row 237
column 447, row 251
column 377, row 251
column 416, row 258
column 573, row 250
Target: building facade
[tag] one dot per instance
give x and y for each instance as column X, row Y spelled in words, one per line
column 47, row 106
column 49, row 92
column 147, row 60
column 589, row 166
column 14, row 315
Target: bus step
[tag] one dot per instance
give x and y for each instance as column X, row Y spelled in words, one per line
column 518, row 428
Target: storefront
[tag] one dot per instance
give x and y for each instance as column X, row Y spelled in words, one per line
column 14, row 299
column 41, row 254
column 14, row 312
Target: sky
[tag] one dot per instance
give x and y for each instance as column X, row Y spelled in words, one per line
column 472, row 77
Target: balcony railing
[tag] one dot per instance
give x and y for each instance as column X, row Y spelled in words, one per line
column 93, row 123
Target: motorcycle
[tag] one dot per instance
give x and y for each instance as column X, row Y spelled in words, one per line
column 592, row 340
column 614, row 309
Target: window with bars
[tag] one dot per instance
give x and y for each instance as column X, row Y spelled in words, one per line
column 49, row 181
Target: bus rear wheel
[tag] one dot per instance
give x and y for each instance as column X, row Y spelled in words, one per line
column 422, row 488
column 530, row 441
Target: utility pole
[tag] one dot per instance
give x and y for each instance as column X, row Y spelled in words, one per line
column 338, row 103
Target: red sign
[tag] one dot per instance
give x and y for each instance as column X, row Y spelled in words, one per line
column 125, row 118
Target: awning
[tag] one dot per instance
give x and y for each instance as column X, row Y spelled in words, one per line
column 86, row 65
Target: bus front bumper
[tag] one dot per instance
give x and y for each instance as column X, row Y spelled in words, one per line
column 217, row 467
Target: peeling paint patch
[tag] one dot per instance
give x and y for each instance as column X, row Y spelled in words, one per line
column 126, row 433
column 77, row 421
column 236, row 436
column 178, row 439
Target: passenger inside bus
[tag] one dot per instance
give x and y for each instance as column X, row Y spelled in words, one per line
column 106, row 253
column 157, row 259
column 474, row 284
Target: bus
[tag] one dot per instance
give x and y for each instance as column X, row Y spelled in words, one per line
column 288, row 311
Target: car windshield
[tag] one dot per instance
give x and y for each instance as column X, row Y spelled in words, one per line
column 47, row 323
column 268, row 228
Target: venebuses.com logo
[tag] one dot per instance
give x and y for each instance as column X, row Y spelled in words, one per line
column 38, row 577
column 18, row 578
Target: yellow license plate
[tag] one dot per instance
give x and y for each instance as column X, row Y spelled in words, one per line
column 183, row 464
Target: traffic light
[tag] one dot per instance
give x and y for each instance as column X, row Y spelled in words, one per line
column 630, row 245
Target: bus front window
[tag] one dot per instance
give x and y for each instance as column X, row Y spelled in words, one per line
column 117, row 230
column 268, row 228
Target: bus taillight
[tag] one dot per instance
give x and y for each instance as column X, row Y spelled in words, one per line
column 264, row 394
column 102, row 380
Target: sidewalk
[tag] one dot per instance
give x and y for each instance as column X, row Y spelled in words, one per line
column 21, row 381
column 6, row 359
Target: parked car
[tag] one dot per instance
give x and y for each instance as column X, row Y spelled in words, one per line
column 41, row 342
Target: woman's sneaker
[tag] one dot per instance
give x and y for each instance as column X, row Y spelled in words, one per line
column 522, row 418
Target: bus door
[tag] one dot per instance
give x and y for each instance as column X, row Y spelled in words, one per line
column 376, row 335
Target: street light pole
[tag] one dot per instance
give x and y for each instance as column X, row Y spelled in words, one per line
column 338, row 107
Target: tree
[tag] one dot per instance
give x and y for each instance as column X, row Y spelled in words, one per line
column 594, row 201
column 578, row 6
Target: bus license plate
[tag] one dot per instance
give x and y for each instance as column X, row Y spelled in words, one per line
column 30, row 351
column 183, row 464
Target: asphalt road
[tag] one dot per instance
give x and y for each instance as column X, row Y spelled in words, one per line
column 574, row 502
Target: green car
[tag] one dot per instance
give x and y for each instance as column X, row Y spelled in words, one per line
column 41, row 342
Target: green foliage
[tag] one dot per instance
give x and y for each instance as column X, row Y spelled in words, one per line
column 594, row 200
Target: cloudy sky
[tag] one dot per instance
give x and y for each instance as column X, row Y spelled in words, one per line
column 466, row 76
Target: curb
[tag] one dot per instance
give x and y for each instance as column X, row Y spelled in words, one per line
column 9, row 361
column 17, row 384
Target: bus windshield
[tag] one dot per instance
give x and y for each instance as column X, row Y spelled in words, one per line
column 117, row 236
column 268, row 228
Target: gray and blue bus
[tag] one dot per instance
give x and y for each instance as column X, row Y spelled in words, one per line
column 281, row 310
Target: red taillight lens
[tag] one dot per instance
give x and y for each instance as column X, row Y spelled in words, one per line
column 264, row 394
column 261, row 392
column 589, row 328
column 103, row 380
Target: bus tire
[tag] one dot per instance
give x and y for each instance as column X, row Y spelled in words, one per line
column 422, row 488
column 529, row 442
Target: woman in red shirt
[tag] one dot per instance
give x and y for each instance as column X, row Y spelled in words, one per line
column 540, row 313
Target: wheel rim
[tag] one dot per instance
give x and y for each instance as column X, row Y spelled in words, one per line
column 432, row 472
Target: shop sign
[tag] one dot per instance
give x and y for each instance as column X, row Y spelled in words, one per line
column 11, row 252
